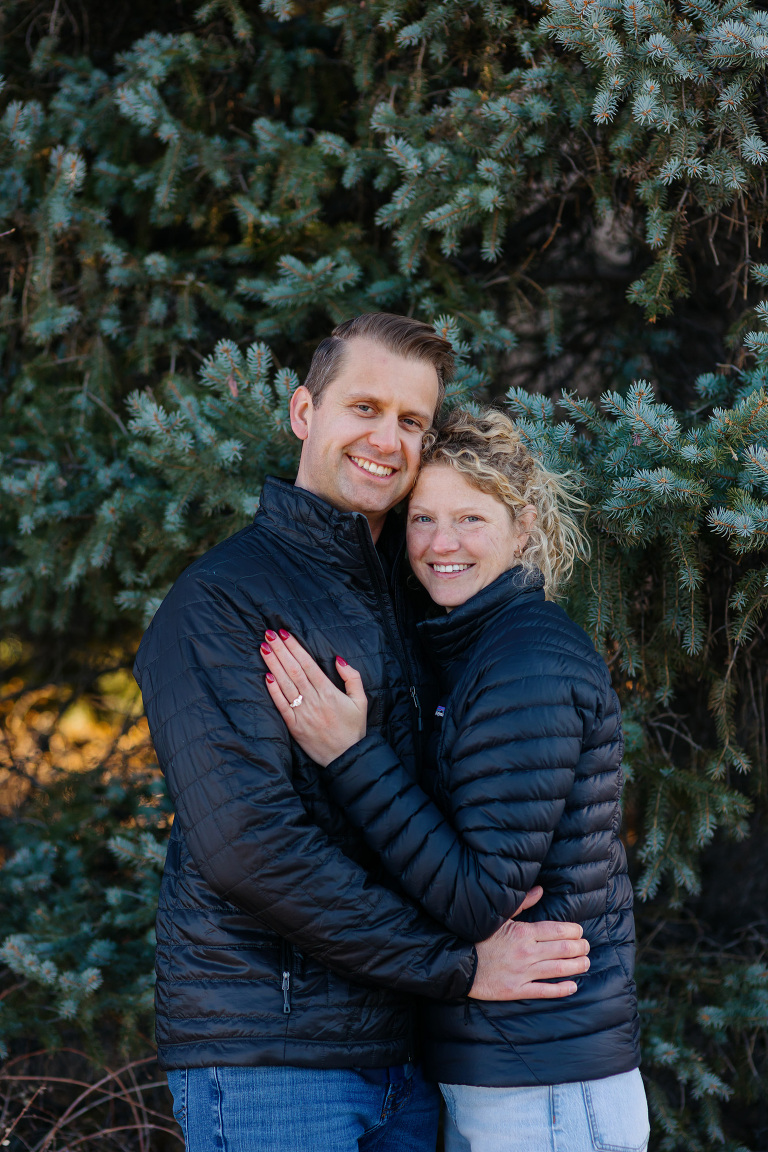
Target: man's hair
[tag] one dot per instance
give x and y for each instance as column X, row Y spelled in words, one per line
column 409, row 338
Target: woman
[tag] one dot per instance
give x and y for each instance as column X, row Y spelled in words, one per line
column 524, row 783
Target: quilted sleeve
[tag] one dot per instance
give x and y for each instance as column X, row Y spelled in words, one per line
column 510, row 768
column 226, row 758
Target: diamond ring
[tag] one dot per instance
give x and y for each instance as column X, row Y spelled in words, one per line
column 295, row 703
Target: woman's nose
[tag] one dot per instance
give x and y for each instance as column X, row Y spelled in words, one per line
column 445, row 541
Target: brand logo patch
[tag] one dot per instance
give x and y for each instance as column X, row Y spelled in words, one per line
column 440, row 710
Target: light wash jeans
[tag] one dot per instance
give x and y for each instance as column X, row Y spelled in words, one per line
column 304, row 1110
column 608, row 1115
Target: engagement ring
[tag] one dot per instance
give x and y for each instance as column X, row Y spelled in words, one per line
column 295, row 703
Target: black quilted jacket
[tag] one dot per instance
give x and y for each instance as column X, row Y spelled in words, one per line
column 274, row 946
column 526, row 785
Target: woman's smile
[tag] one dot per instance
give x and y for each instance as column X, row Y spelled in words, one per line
column 450, row 569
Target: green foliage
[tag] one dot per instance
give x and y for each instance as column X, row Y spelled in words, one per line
column 700, row 1032
column 78, row 904
column 682, row 90
column 187, row 210
column 229, row 179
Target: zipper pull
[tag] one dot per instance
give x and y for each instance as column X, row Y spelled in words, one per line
column 417, row 705
column 286, row 992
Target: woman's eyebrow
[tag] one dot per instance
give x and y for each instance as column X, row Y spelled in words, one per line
column 470, row 509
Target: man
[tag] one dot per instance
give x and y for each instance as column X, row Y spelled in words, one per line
column 285, row 971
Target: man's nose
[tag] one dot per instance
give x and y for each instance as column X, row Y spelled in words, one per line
column 385, row 435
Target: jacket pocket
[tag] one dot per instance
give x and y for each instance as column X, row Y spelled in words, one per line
column 617, row 1112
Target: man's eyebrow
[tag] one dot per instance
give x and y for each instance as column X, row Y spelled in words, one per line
column 369, row 398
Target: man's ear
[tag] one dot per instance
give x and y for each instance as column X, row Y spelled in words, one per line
column 301, row 412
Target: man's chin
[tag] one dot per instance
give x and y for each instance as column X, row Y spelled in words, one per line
column 372, row 503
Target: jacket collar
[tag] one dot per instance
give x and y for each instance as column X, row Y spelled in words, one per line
column 314, row 529
column 448, row 637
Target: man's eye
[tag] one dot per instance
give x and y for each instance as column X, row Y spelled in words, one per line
column 473, row 519
column 365, row 408
column 414, row 424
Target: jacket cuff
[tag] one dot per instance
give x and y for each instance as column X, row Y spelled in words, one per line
column 452, row 970
column 369, row 743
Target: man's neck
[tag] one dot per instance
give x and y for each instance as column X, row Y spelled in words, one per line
column 376, row 523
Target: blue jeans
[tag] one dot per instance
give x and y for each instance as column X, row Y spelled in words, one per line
column 608, row 1115
column 304, row 1110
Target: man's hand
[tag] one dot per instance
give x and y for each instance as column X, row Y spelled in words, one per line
column 512, row 963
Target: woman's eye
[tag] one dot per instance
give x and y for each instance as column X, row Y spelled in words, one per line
column 422, row 520
column 473, row 519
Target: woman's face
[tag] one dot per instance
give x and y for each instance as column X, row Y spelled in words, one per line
column 459, row 538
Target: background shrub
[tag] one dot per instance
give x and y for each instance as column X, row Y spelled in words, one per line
column 575, row 194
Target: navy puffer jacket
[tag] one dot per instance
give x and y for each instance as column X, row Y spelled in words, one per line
column 274, row 944
column 526, row 787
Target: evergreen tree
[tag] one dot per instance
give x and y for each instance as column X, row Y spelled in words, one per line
column 190, row 204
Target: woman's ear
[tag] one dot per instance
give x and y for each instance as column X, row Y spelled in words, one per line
column 524, row 521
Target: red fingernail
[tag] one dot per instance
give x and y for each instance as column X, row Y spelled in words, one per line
column 284, row 635
column 342, row 661
column 266, row 650
column 270, row 635
column 270, row 678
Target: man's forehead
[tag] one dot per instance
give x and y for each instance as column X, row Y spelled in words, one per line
column 371, row 358
column 371, row 371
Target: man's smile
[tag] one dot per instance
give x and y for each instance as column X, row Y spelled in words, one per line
column 372, row 467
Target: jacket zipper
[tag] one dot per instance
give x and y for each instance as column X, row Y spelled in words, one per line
column 286, row 957
column 415, row 698
column 388, row 611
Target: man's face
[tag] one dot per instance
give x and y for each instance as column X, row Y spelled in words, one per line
column 362, row 442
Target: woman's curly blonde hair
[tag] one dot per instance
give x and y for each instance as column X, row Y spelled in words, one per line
column 488, row 449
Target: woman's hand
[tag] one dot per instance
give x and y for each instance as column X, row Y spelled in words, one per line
column 326, row 722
